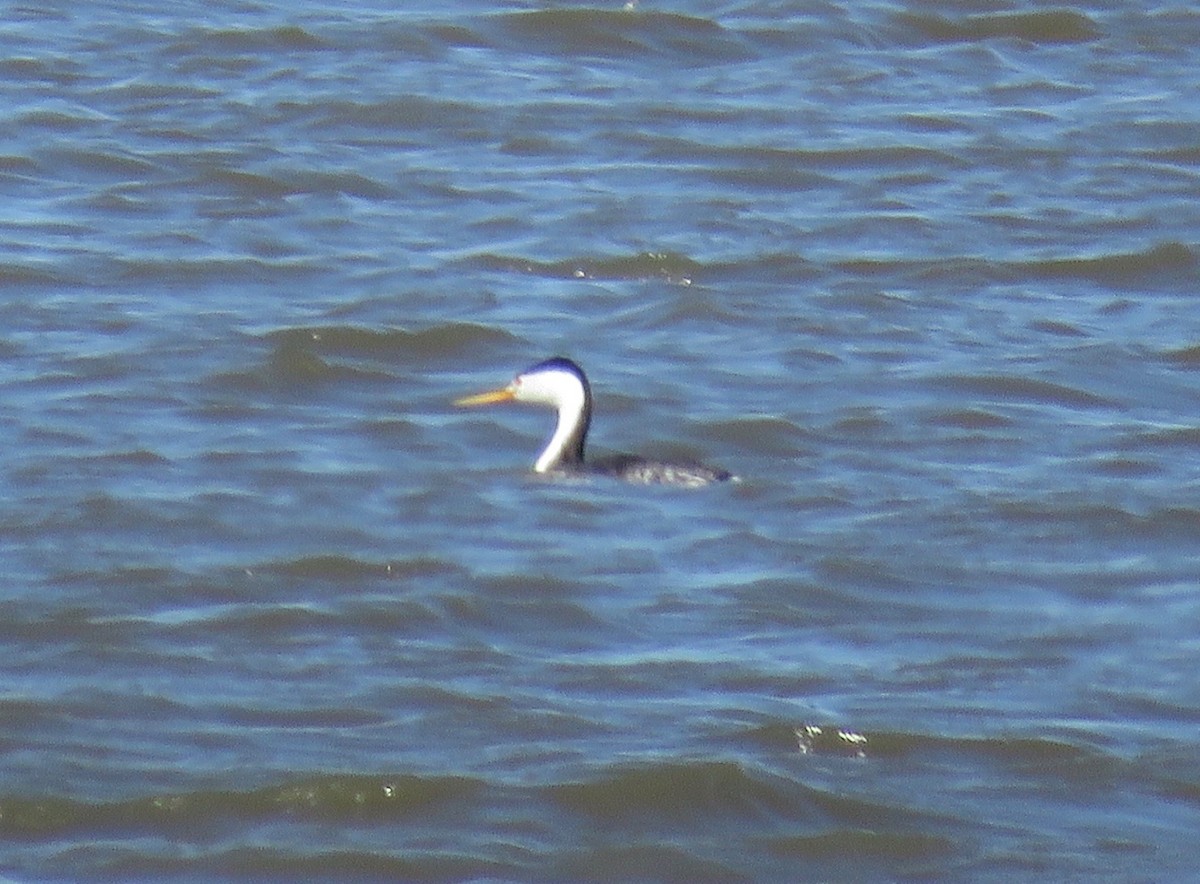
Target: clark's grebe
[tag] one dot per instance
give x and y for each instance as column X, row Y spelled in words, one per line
column 562, row 385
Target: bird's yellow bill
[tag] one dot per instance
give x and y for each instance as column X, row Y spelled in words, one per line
column 505, row 395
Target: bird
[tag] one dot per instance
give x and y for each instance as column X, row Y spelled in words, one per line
column 561, row 384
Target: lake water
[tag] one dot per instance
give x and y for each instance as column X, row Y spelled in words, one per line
column 924, row 275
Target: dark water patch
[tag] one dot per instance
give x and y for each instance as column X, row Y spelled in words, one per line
column 138, row 458
column 69, row 626
column 1066, row 517
column 341, row 798
column 144, row 576
column 341, row 568
column 536, row 146
column 21, row 275
column 862, row 423
column 1184, row 357
column 385, row 612
column 1057, row 328
column 13, row 166
column 280, row 623
column 796, row 168
column 1145, row 705
column 460, row 34
column 391, row 115
column 45, row 68
column 568, row 623
column 302, row 864
column 892, row 158
column 1184, row 788
column 446, row 342
column 287, row 369
column 540, row 585
column 57, row 121
column 280, row 184
column 1030, row 755
column 677, row 793
column 970, row 419
column 93, row 381
column 935, row 122
column 964, row 271
column 1184, row 156
column 773, row 180
column 862, row 577
column 790, row 603
column 1181, row 522
column 99, row 164
column 616, row 34
column 1044, row 755
column 19, row 716
column 447, row 701
column 1052, row 26
column 304, row 357
column 1125, row 467
column 646, row 862
column 162, row 94
column 299, row 718
column 1009, row 389
column 110, row 203
column 858, row 847
column 211, row 270
column 123, row 514
column 762, row 435
column 247, row 185
column 756, row 168
column 1172, row 260
column 670, row 266
column 1167, row 264
column 785, row 267
column 1182, row 439
column 267, row 41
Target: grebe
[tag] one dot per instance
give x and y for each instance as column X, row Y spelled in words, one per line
column 562, row 385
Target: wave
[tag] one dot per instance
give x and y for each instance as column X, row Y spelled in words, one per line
column 1163, row 523
column 674, row 792
column 267, row 40
column 1050, row 26
column 864, row 844
column 670, row 266
column 604, row 33
column 611, row 820
column 282, row 183
column 568, row 32
column 443, row 341
column 1182, row 438
column 301, row 356
column 1184, row 357
column 1013, row 389
column 1167, row 262
column 1165, row 258
column 331, row 797
column 338, row 567
column 225, row 271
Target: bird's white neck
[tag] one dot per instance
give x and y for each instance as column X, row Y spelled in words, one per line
column 565, row 447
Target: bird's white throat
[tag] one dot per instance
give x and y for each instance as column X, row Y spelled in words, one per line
column 565, row 392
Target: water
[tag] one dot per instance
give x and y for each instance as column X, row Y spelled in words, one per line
column 924, row 276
